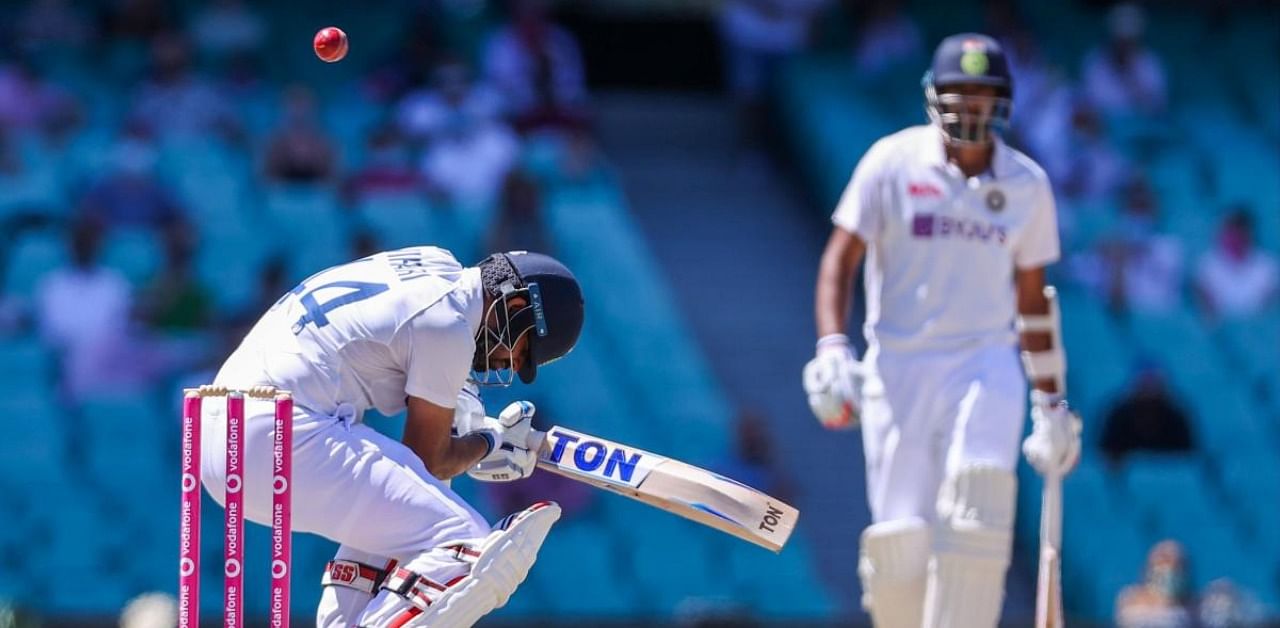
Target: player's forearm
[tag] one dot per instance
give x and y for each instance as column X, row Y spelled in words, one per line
column 462, row 453
column 427, row 435
column 834, row 292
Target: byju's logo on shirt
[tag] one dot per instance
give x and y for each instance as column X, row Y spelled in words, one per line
column 928, row 226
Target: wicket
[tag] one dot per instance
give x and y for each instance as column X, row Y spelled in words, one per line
column 233, row 523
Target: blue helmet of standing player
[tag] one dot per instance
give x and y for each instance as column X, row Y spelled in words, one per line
column 535, row 303
column 968, row 89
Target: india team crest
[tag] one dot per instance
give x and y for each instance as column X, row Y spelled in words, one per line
column 995, row 200
column 974, row 60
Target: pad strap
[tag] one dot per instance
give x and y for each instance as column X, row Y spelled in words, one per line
column 418, row 589
column 464, row 552
column 354, row 575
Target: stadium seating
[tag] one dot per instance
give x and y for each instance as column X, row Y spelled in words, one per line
column 399, row 221
column 30, row 256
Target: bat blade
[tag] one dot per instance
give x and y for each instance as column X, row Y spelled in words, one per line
column 1049, row 577
column 677, row 487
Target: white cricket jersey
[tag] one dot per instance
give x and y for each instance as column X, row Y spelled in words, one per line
column 368, row 333
column 941, row 247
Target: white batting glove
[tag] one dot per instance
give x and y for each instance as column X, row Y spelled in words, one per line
column 469, row 418
column 513, row 460
column 1053, row 448
column 832, row 380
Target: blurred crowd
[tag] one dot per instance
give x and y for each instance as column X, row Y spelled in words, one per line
column 106, row 114
column 1162, row 597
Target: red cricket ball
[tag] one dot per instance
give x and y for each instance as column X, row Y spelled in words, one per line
column 330, row 44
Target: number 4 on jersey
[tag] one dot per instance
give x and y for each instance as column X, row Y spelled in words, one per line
column 317, row 312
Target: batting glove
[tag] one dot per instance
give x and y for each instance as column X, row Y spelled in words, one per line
column 831, row 381
column 513, row 460
column 1053, row 448
column 469, row 418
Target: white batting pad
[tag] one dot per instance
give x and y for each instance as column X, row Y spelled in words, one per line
column 971, row 549
column 893, row 567
column 503, row 562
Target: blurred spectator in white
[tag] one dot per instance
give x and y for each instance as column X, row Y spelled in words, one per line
column 388, row 168
column 226, row 28
column 130, row 194
column 150, row 610
column 1123, row 76
column 537, row 67
column 177, row 101
column 1089, row 166
column 468, row 158
column 300, row 151
column 1162, row 598
column 1148, row 266
column 427, row 112
column 1035, row 76
column 887, row 37
column 92, row 341
column 1146, row 418
column 52, row 24
column 1044, row 97
column 757, row 36
column 30, row 103
column 1138, row 269
column 1224, row 605
column 1235, row 279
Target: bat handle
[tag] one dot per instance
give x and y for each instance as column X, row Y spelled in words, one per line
column 535, row 440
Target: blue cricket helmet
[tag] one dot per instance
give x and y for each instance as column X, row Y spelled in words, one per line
column 556, row 308
column 969, row 59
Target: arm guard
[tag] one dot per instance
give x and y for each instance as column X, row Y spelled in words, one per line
column 1051, row 363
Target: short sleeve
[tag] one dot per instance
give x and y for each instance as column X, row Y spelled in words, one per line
column 1038, row 245
column 859, row 210
column 439, row 352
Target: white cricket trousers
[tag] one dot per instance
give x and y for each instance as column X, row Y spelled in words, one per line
column 927, row 414
column 351, row 484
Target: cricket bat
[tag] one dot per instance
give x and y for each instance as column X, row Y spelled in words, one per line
column 1049, row 579
column 683, row 489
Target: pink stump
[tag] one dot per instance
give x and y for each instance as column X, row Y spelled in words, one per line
column 233, row 545
column 189, row 532
column 281, row 511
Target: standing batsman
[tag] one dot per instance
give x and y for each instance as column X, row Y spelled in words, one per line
column 403, row 329
column 956, row 228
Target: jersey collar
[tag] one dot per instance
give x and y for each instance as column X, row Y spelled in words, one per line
column 1001, row 159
